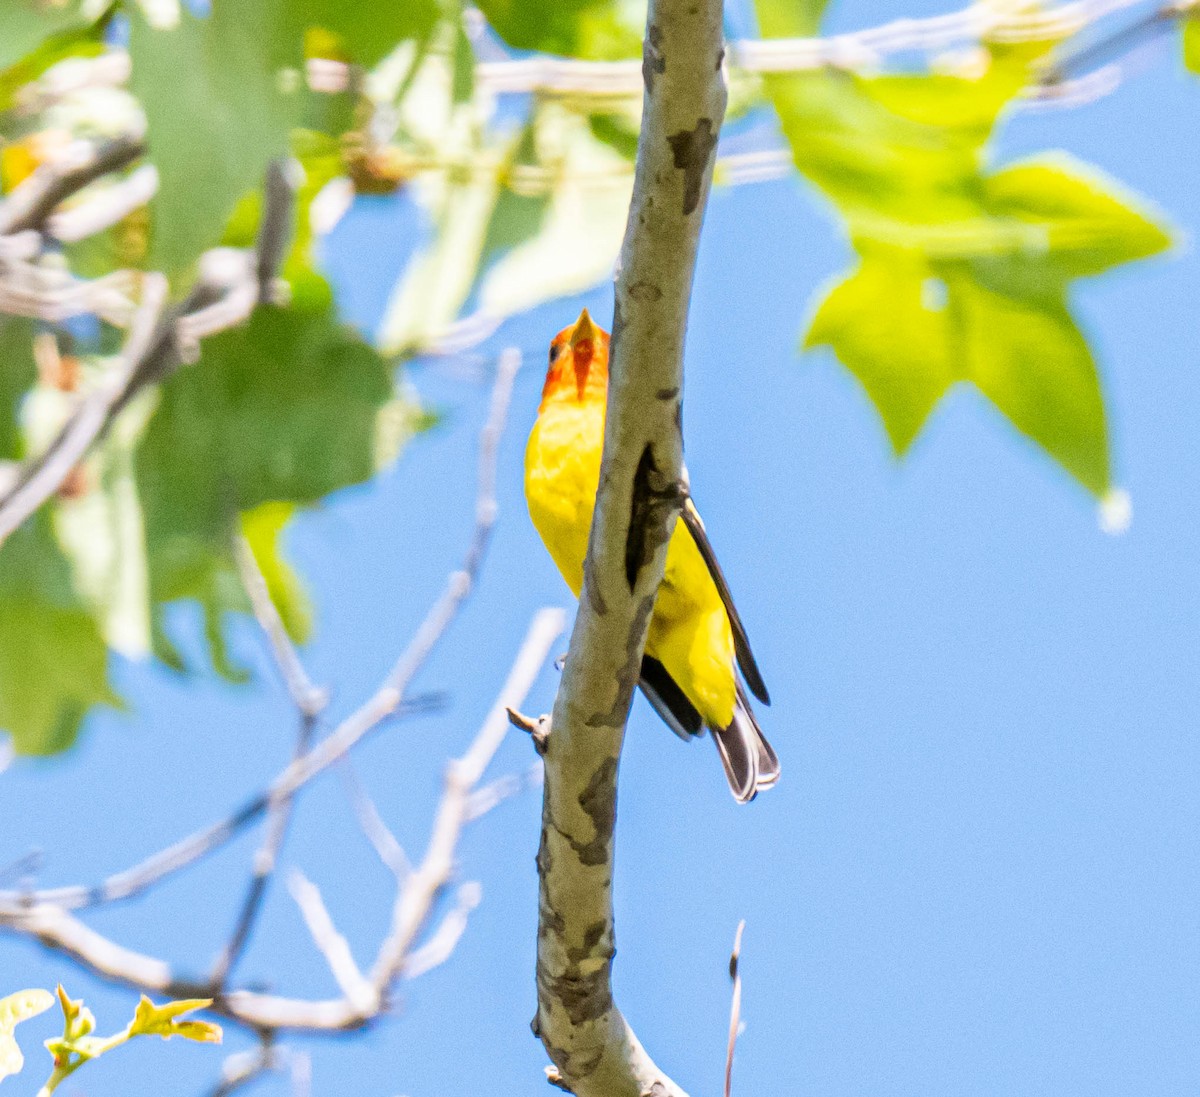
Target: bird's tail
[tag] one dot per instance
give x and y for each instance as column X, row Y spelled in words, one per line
column 751, row 764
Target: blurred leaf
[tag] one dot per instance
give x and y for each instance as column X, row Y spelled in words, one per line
column 618, row 132
column 263, row 529
column 880, row 323
column 1191, row 41
column 964, row 272
column 287, row 408
column 29, row 23
column 1085, row 223
column 78, row 41
column 100, row 529
column 17, row 376
column 520, row 209
column 598, row 30
column 789, row 18
column 218, row 108
column 579, row 233
column 438, row 277
column 13, row 1010
column 366, row 32
column 52, row 658
column 152, row 1020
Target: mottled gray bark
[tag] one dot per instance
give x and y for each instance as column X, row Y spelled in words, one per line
column 594, row 1050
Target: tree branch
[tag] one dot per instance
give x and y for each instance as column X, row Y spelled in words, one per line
column 416, row 900
column 389, row 700
column 593, row 1048
column 231, row 283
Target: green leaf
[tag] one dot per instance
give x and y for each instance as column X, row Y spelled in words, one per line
column 578, row 234
column 77, row 41
column 1030, row 359
column 789, row 18
column 53, row 660
column 286, row 409
column 908, row 329
column 597, row 30
column 218, row 108
column 102, row 533
column 886, row 326
column 1191, row 42
column 152, row 1020
column 29, row 23
column 1085, row 221
column 263, row 529
column 965, row 271
column 17, row 376
column 13, row 1010
column 366, row 33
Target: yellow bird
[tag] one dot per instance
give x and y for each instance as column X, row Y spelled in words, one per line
column 696, row 642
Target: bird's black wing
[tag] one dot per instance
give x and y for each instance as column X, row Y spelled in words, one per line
column 741, row 642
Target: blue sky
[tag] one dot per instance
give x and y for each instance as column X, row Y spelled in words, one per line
column 979, row 874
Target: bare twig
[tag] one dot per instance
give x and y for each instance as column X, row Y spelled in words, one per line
column 378, row 833
column 735, row 1006
column 420, row 891
column 443, row 941
column 330, row 943
column 62, row 932
column 34, row 199
column 1119, row 42
column 584, row 1033
column 139, row 878
column 265, row 860
column 45, row 475
column 106, row 208
column 246, row 1067
column 388, row 701
column 227, row 289
column 310, row 700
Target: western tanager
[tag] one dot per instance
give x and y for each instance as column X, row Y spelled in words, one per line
column 696, row 642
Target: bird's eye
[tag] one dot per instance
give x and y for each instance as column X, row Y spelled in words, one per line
column 555, row 351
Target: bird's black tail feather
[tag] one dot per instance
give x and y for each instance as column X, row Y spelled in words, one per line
column 750, row 763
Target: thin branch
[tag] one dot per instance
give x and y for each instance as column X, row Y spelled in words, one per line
column 420, row 891
column 386, row 845
column 590, row 1043
column 61, row 931
column 227, row 289
column 387, row 702
column 310, row 700
column 443, row 941
column 735, row 1006
column 1116, row 44
column 330, row 943
column 106, row 208
column 34, row 199
column 265, row 860
column 139, row 878
column 46, row 474
column 246, row 1067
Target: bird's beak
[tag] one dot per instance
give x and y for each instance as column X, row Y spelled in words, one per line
column 584, row 331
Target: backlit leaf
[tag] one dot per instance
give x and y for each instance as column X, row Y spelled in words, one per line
column 14, row 1009
column 965, row 270
column 218, row 107
column 53, row 660
column 164, row 1021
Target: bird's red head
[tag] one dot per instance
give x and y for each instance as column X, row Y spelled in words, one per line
column 578, row 363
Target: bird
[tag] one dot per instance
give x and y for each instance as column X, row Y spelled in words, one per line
column 696, row 644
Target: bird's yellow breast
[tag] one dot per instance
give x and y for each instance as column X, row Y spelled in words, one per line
column 689, row 632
